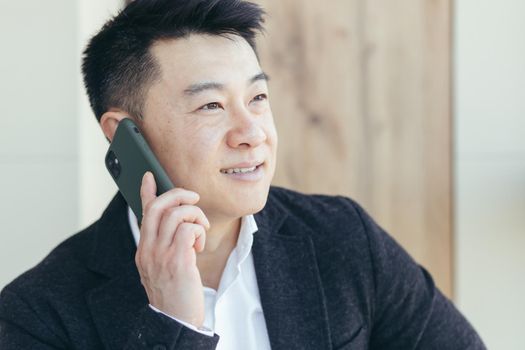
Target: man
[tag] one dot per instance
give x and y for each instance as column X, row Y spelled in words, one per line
column 222, row 261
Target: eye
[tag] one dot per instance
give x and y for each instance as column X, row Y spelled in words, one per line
column 260, row 97
column 211, row 106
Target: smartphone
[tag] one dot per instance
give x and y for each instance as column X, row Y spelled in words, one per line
column 128, row 158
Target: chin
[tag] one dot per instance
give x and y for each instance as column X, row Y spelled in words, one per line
column 257, row 207
column 250, row 203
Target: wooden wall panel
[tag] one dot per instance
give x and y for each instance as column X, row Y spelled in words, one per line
column 360, row 92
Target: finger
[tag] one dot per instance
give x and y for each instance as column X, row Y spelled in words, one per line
column 186, row 238
column 148, row 189
column 155, row 208
column 200, row 241
column 173, row 217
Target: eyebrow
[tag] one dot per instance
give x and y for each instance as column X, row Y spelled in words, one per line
column 196, row 88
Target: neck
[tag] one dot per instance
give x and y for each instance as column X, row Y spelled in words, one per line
column 221, row 236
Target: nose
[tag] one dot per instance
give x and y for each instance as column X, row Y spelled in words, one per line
column 246, row 130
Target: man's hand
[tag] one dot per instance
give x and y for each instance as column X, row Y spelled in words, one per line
column 173, row 230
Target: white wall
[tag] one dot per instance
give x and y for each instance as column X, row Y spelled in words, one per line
column 49, row 144
column 38, row 153
column 490, row 168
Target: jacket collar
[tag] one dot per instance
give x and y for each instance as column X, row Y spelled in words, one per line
column 285, row 264
column 113, row 247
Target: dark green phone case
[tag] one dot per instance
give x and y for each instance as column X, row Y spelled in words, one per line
column 128, row 158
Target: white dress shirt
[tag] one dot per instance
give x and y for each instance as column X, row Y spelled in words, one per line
column 234, row 311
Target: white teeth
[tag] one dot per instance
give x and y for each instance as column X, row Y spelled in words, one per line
column 238, row 170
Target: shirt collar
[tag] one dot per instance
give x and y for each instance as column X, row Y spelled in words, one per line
column 244, row 242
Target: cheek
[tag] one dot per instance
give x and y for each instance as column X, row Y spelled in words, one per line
column 203, row 141
column 271, row 132
column 195, row 148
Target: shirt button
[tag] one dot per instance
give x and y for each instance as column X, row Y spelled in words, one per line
column 159, row 347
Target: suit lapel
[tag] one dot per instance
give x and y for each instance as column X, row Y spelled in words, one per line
column 289, row 284
column 116, row 302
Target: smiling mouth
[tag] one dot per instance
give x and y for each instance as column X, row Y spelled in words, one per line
column 240, row 170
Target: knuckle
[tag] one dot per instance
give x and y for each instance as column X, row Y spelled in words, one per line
column 173, row 215
column 178, row 192
column 173, row 212
column 156, row 205
column 185, row 228
column 184, row 212
column 184, row 232
column 199, row 230
column 141, row 262
column 149, row 207
column 195, row 212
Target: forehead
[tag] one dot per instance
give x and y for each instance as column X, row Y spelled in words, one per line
column 205, row 57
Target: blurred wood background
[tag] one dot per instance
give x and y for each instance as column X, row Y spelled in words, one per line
column 361, row 95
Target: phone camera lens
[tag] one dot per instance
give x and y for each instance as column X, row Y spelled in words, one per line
column 136, row 130
column 112, row 164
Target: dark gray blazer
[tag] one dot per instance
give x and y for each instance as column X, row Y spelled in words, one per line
column 328, row 276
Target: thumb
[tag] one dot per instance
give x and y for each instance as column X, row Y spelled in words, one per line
column 148, row 189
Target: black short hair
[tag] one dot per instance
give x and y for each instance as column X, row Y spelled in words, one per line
column 117, row 64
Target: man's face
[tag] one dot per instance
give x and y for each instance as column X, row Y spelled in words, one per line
column 209, row 113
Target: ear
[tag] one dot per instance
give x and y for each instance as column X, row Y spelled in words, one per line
column 109, row 122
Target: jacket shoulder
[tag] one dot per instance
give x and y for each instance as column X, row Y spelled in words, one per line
column 55, row 269
column 316, row 209
column 37, row 300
